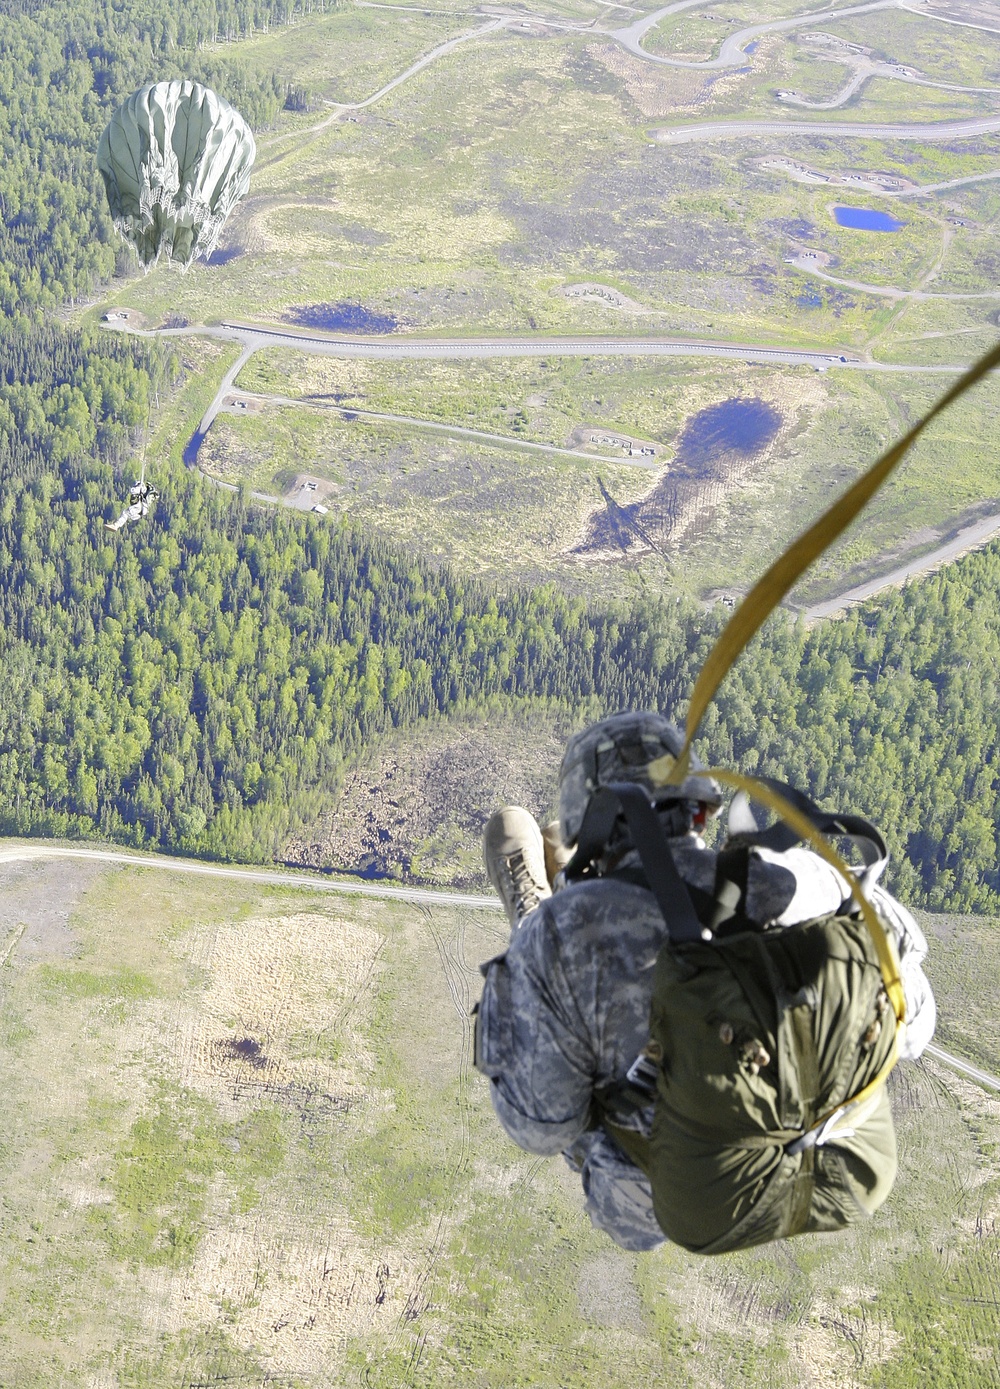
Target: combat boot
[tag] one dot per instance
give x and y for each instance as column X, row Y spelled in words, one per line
column 514, row 855
column 557, row 854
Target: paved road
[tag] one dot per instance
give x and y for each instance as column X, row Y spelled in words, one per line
column 968, row 538
column 220, row 395
column 17, row 853
column 458, row 349
column 20, row 853
column 732, row 54
column 255, row 336
column 830, row 130
column 984, row 1078
column 395, row 348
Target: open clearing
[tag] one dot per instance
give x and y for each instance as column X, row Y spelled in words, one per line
column 243, row 1144
column 513, row 184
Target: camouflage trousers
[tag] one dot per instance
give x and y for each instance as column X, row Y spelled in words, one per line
column 564, row 1012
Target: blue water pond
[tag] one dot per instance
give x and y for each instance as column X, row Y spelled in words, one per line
column 716, row 445
column 342, row 318
column 742, row 425
column 864, row 219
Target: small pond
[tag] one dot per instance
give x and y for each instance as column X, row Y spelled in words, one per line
column 715, row 448
column 864, row 219
column 342, row 318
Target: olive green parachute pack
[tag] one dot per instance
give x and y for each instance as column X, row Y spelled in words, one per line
column 767, row 1049
column 763, row 1042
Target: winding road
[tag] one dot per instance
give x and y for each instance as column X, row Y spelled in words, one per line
column 933, row 131
column 42, row 850
column 732, row 54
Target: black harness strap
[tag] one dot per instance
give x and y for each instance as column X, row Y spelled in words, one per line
column 781, row 836
column 667, row 885
column 629, row 800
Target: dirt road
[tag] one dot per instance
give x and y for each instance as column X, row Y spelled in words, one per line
column 968, row 538
column 40, row 849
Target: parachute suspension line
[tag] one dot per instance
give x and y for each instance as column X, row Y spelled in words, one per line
column 747, row 620
column 885, row 948
column 145, row 442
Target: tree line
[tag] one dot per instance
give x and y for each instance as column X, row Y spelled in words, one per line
column 199, row 682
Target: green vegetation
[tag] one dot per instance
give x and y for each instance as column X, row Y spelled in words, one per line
column 202, row 688
column 63, row 67
column 163, row 1170
column 499, row 511
column 176, row 1212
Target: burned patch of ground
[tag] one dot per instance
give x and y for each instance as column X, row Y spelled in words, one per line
column 342, row 318
column 244, row 1049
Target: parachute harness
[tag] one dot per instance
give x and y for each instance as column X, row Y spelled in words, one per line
column 745, row 622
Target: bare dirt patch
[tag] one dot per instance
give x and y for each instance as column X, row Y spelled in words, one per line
column 655, row 90
column 36, row 903
column 281, row 1019
column 308, row 492
column 601, row 437
column 606, row 295
column 607, row 1293
column 241, row 405
column 120, row 316
column 418, row 811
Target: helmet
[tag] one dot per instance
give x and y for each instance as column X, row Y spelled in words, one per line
column 621, row 748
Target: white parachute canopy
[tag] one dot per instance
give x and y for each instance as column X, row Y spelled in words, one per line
column 175, row 159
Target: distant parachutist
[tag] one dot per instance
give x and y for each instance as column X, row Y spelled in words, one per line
column 140, row 498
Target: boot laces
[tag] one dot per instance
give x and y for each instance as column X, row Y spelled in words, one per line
column 525, row 889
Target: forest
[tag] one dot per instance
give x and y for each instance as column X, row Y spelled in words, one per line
column 63, row 69
column 201, row 686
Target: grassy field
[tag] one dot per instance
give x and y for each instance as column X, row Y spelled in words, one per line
column 243, row 1144
column 512, row 186
column 508, row 513
column 519, row 162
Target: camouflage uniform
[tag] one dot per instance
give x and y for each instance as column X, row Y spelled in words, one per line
column 565, row 1011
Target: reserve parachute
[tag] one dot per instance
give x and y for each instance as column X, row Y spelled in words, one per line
column 175, row 159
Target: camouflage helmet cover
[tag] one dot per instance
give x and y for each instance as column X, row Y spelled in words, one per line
column 621, row 748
